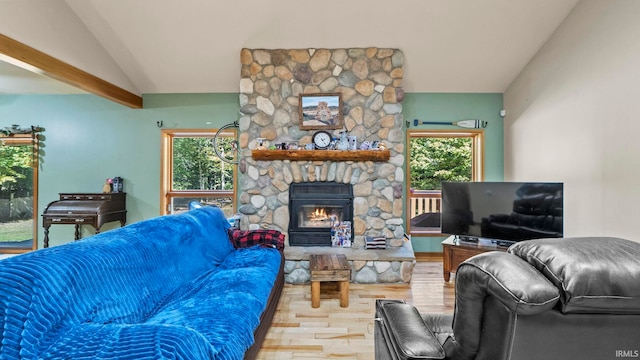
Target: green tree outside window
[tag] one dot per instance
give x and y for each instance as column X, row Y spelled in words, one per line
column 436, row 159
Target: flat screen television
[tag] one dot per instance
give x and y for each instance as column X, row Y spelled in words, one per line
column 503, row 212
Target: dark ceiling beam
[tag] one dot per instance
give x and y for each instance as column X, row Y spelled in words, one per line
column 44, row 64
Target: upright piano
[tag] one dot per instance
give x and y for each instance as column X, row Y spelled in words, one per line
column 84, row 208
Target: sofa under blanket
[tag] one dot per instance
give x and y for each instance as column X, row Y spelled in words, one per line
column 170, row 287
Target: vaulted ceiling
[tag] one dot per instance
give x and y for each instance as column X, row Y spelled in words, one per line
column 193, row 46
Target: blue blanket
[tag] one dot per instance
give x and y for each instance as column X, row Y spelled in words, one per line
column 169, row 287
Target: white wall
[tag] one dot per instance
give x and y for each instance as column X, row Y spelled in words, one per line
column 53, row 28
column 573, row 115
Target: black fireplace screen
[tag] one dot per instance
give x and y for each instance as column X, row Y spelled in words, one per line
column 314, row 207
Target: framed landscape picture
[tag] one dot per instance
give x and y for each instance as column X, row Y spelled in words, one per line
column 320, row 111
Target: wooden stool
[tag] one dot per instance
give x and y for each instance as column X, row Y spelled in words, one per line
column 329, row 268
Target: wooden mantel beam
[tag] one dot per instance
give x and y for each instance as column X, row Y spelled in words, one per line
column 44, row 64
column 321, row 155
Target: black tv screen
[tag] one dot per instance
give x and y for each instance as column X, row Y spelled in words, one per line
column 503, row 211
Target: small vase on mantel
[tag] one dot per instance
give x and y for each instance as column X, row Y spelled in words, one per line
column 343, row 143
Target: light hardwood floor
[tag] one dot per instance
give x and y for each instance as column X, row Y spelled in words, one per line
column 301, row 332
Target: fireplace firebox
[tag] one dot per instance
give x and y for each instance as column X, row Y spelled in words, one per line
column 314, row 207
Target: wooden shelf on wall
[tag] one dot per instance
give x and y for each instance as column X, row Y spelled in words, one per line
column 322, row 155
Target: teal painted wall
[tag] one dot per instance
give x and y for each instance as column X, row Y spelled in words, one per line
column 449, row 107
column 89, row 139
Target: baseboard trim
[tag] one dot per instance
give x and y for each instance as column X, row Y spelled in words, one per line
column 428, row 256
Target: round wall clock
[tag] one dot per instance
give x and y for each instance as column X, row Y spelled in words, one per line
column 321, row 139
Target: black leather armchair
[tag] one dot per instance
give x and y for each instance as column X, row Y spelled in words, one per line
column 567, row 298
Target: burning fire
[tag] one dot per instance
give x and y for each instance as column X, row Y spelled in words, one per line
column 319, row 214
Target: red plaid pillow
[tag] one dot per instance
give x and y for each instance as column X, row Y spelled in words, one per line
column 248, row 238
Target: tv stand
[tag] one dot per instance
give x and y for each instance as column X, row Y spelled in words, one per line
column 455, row 251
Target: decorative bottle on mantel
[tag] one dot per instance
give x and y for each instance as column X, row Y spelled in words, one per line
column 343, row 143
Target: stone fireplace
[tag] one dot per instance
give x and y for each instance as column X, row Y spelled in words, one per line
column 370, row 83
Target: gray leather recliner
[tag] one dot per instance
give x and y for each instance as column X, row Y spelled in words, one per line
column 560, row 298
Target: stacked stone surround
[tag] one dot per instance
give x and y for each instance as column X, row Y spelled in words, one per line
column 370, row 83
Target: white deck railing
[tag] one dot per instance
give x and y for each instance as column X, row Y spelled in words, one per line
column 424, row 201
